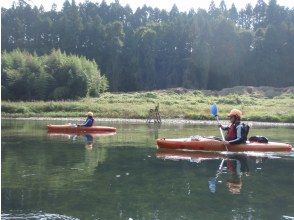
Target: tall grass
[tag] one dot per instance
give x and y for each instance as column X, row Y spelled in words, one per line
column 190, row 105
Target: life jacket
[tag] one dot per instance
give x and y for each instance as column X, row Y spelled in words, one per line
column 231, row 166
column 89, row 121
column 232, row 132
column 234, row 166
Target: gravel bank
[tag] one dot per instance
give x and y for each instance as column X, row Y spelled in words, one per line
column 164, row 121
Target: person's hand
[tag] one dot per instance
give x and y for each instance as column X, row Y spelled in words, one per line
column 226, row 142
column 219, row 125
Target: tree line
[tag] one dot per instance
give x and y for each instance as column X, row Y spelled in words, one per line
column 54, row 76
column 150, row 48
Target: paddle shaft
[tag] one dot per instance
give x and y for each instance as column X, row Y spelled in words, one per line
column 221, row 131
column 221, row 165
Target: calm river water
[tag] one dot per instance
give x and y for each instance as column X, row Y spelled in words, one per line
column 124, row 176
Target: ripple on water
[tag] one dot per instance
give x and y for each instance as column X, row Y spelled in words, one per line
column 39, row 216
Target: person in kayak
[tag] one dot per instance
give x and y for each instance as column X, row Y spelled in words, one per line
column 89, row 121
column 235, row 131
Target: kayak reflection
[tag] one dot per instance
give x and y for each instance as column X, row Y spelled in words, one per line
column 88, row 138
column 234, row 165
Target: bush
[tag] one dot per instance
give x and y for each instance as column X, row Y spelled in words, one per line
column 151, row 95
column 230, row 99
column 55, row 76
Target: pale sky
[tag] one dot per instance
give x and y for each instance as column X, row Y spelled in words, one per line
column 183, row 5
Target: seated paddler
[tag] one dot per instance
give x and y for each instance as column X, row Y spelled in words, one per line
column 89, row 120
column 236, row 132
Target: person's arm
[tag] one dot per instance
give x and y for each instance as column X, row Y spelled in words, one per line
column 238, row 140
column 86, row 123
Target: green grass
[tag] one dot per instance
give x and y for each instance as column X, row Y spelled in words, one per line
column 190, row 105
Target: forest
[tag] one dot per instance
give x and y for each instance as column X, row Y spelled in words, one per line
column 150, row 48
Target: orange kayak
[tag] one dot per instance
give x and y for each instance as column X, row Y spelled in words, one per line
column 79, row 129
column 207, row 144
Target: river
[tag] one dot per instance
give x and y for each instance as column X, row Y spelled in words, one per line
column 123, row 175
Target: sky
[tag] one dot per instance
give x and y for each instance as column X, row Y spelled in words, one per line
column 183, row 5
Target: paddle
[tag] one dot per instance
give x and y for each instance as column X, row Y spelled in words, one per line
column 212, row 181
column 214, row 111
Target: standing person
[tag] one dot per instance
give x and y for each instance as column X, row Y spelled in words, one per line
column 236, row 133
column 89, row 121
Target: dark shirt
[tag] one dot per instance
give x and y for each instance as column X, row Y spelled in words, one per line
column 89, row 122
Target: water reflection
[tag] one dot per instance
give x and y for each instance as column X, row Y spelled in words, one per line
column 88, row 138
column 153, row 130
column 237, row 166
column 120, row 177
column 233, row 166
column 38, row 215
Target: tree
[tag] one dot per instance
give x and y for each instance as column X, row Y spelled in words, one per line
column 114, row 43
column 259, row 15
column 152, row 48
column 223, row 7
column 233, row 13
column 213, row 10
column 246, row 17
column 274, row 13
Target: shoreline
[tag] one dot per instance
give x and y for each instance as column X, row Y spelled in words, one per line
column 173, row 121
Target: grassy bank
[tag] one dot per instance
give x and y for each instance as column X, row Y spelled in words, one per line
column 188, row 105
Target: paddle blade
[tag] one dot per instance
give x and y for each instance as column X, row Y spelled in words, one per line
column 213, row 109
column 212, row 185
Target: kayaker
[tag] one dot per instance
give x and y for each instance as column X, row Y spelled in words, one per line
column 235, row 131
column 89, row 121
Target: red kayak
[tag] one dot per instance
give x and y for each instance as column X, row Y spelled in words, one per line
column 79, row 129
column 208, row 144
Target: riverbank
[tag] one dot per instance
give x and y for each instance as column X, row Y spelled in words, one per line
column 177, row 104
column 174, row 121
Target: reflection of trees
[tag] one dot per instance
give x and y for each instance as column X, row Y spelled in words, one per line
column 22, row 128
column 47, row 177
column 153, row 129
column 121, row 178
column 129, row 184
column 94, row 158
column 53, row 166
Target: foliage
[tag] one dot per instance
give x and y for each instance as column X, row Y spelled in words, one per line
column 55, row 76
column 153, row 49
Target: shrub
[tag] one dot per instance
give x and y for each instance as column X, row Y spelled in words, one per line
column 55, row 76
